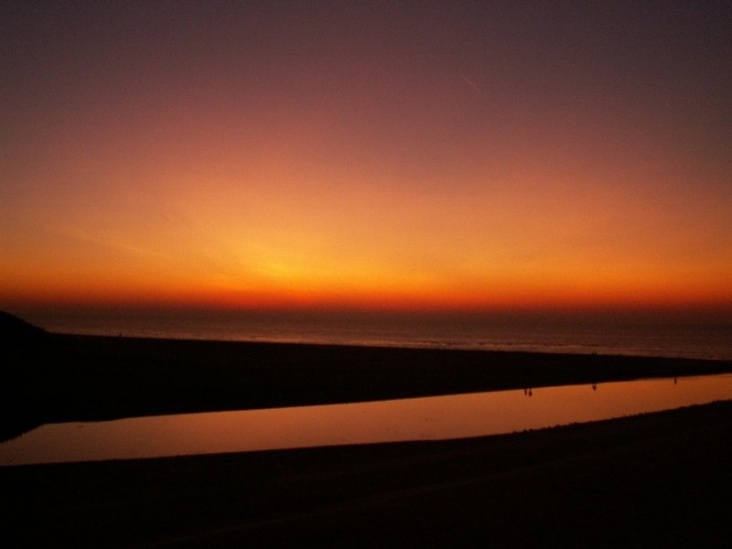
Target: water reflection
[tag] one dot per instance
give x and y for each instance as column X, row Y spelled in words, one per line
column 443, row 417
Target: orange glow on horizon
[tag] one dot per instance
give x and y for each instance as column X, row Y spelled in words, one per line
column 302, row 294
column 261, row 161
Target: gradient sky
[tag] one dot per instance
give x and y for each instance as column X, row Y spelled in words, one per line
column 375, row 155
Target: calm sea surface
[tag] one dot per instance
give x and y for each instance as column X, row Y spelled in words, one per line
column 662, row 336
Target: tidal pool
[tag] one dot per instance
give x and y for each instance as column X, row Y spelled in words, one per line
column 442, row 417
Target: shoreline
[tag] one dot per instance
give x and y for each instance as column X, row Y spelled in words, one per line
column 436, row 346
column 90, row 378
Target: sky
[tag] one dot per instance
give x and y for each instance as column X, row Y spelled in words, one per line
column 458, row 156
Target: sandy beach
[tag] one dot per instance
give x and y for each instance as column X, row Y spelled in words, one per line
column 84, row 378
column 658, row 480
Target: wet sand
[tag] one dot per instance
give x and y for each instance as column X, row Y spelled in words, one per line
column 656, row 480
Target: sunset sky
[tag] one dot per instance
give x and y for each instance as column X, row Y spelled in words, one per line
column 366, row 155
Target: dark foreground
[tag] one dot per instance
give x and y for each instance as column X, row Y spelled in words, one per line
column 660, row 480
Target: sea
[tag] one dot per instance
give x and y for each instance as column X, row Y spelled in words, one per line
column 661, row 335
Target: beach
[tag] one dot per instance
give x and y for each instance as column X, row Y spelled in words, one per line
column 658, row 480
column 654, row 480
column 89, row 378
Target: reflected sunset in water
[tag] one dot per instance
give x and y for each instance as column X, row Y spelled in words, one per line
column 430, row 418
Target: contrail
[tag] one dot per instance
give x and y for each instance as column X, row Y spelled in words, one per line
column 470, row 83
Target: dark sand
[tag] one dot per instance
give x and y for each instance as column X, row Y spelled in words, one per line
column 65, row 378
column 660, row 480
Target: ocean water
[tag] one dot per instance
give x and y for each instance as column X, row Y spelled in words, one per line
column 645, row 336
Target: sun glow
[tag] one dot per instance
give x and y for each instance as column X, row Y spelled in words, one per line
column 254, row 174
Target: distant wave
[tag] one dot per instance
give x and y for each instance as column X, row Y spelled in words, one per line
column 686, row 341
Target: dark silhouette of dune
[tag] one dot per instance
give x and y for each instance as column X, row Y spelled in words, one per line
column 16, row 331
